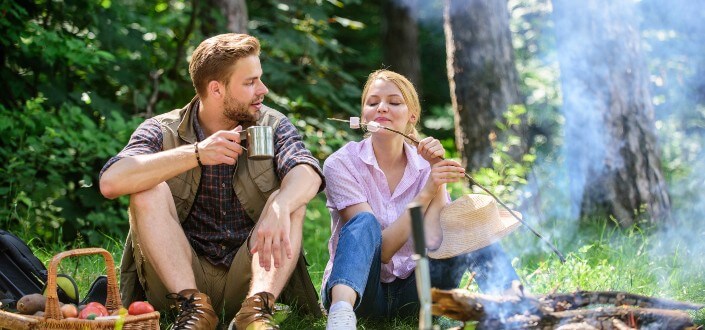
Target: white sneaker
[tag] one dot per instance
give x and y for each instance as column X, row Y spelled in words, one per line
column 341, row 317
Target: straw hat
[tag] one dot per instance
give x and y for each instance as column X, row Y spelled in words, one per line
column 470, row 223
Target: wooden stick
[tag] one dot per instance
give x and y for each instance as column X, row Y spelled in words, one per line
column 470, row 279
column 473, row 182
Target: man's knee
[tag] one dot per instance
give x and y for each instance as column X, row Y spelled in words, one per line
column 150, row 198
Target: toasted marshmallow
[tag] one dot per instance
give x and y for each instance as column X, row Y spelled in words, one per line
column 373, row 126
column 355, row 122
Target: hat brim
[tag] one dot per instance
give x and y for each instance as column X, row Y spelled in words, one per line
column 471, row 239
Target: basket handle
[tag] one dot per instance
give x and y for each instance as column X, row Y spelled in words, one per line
column 113, row 302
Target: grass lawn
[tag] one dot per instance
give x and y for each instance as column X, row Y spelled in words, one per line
column 599, row 257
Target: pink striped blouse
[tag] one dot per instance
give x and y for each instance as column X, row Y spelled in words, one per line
column 353, row 176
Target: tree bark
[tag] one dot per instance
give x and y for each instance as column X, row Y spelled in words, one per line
column 234, row 12
column 400, row 35
column 611, row 151
column 483, row 79
column 236, row 15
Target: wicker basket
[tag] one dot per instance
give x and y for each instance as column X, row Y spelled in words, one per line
column 53, row 319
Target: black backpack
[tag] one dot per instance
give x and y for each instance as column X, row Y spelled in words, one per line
column 22, row 273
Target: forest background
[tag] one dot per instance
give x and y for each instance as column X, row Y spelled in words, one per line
column 588, row 117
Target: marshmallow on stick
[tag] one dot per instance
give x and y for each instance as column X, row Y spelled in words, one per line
column 373, row 126
column 354, row 122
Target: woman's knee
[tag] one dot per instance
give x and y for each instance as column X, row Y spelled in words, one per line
column 363, row 222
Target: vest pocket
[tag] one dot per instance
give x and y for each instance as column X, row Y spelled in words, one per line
column 263, row 174
column 183, row 187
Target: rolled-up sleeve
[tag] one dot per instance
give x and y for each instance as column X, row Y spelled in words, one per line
column 147, row 139
column 290, row 151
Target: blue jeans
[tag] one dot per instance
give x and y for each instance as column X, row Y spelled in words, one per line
column 358, row 262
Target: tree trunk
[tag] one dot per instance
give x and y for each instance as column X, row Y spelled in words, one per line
column 234, row 12
column 481, row 72
column 611, row 152
column 400, row 35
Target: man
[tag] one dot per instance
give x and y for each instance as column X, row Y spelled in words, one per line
column 201, row 212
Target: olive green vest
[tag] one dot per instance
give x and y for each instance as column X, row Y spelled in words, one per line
column 254, row 181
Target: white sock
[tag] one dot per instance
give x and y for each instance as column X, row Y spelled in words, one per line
column 339, row 305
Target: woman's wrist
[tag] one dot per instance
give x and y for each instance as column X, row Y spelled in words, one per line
column 424, row 198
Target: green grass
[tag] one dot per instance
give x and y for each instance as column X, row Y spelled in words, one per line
column 599, row 257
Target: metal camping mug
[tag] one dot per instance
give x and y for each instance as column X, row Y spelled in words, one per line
column 261, row 142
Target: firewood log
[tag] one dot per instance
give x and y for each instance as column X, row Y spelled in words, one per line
column 566, row 301
column 560, row 311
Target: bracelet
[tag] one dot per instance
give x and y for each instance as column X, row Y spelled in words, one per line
column 198, row 158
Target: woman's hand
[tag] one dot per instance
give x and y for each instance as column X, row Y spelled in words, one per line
column 442, row 172
column 431, row 150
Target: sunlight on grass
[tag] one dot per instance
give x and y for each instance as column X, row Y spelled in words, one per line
column 83, row 269
column 599, row 257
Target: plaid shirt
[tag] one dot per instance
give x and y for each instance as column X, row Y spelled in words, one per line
column 218, row 224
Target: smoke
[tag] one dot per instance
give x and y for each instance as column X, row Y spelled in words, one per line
column 672, row 51
column 424, row 11
column 672, row 42
column 672, row 36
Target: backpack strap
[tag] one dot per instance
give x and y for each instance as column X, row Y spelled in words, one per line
column 22, row 272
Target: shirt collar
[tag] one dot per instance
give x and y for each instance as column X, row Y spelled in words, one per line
column 414, row 161
column 189, row 115
column 196, row 125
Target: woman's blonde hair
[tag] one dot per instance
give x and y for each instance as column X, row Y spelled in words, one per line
column 408, row 92
column 215, row 57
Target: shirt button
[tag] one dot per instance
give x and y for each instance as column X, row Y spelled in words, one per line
column 223, row 212
column 223, row 185
column 222, row 247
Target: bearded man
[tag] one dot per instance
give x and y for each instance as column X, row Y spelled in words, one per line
column 201, row 211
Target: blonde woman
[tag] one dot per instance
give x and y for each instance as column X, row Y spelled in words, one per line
column 370, row 272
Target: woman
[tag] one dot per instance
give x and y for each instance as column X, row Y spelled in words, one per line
column 369, row 185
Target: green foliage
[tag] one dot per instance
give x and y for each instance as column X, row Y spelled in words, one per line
column 317, row 233
column 49, row 177
column 72, row 79
column 302, row 59
column 507, row 172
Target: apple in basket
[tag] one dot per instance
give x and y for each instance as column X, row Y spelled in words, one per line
column 99, row 306
column 93, row 310
column 69, row 310
column 139, row 308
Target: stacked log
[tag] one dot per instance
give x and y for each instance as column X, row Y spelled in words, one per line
column 577, row 310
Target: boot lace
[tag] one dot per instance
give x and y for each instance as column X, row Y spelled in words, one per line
column 188, row 311
column 262, row 315
column 266, row 313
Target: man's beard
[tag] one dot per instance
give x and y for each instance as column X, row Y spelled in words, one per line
column 238, row 112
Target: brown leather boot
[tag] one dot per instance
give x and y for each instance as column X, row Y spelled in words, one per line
column 257, row 313
column 195, row 311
